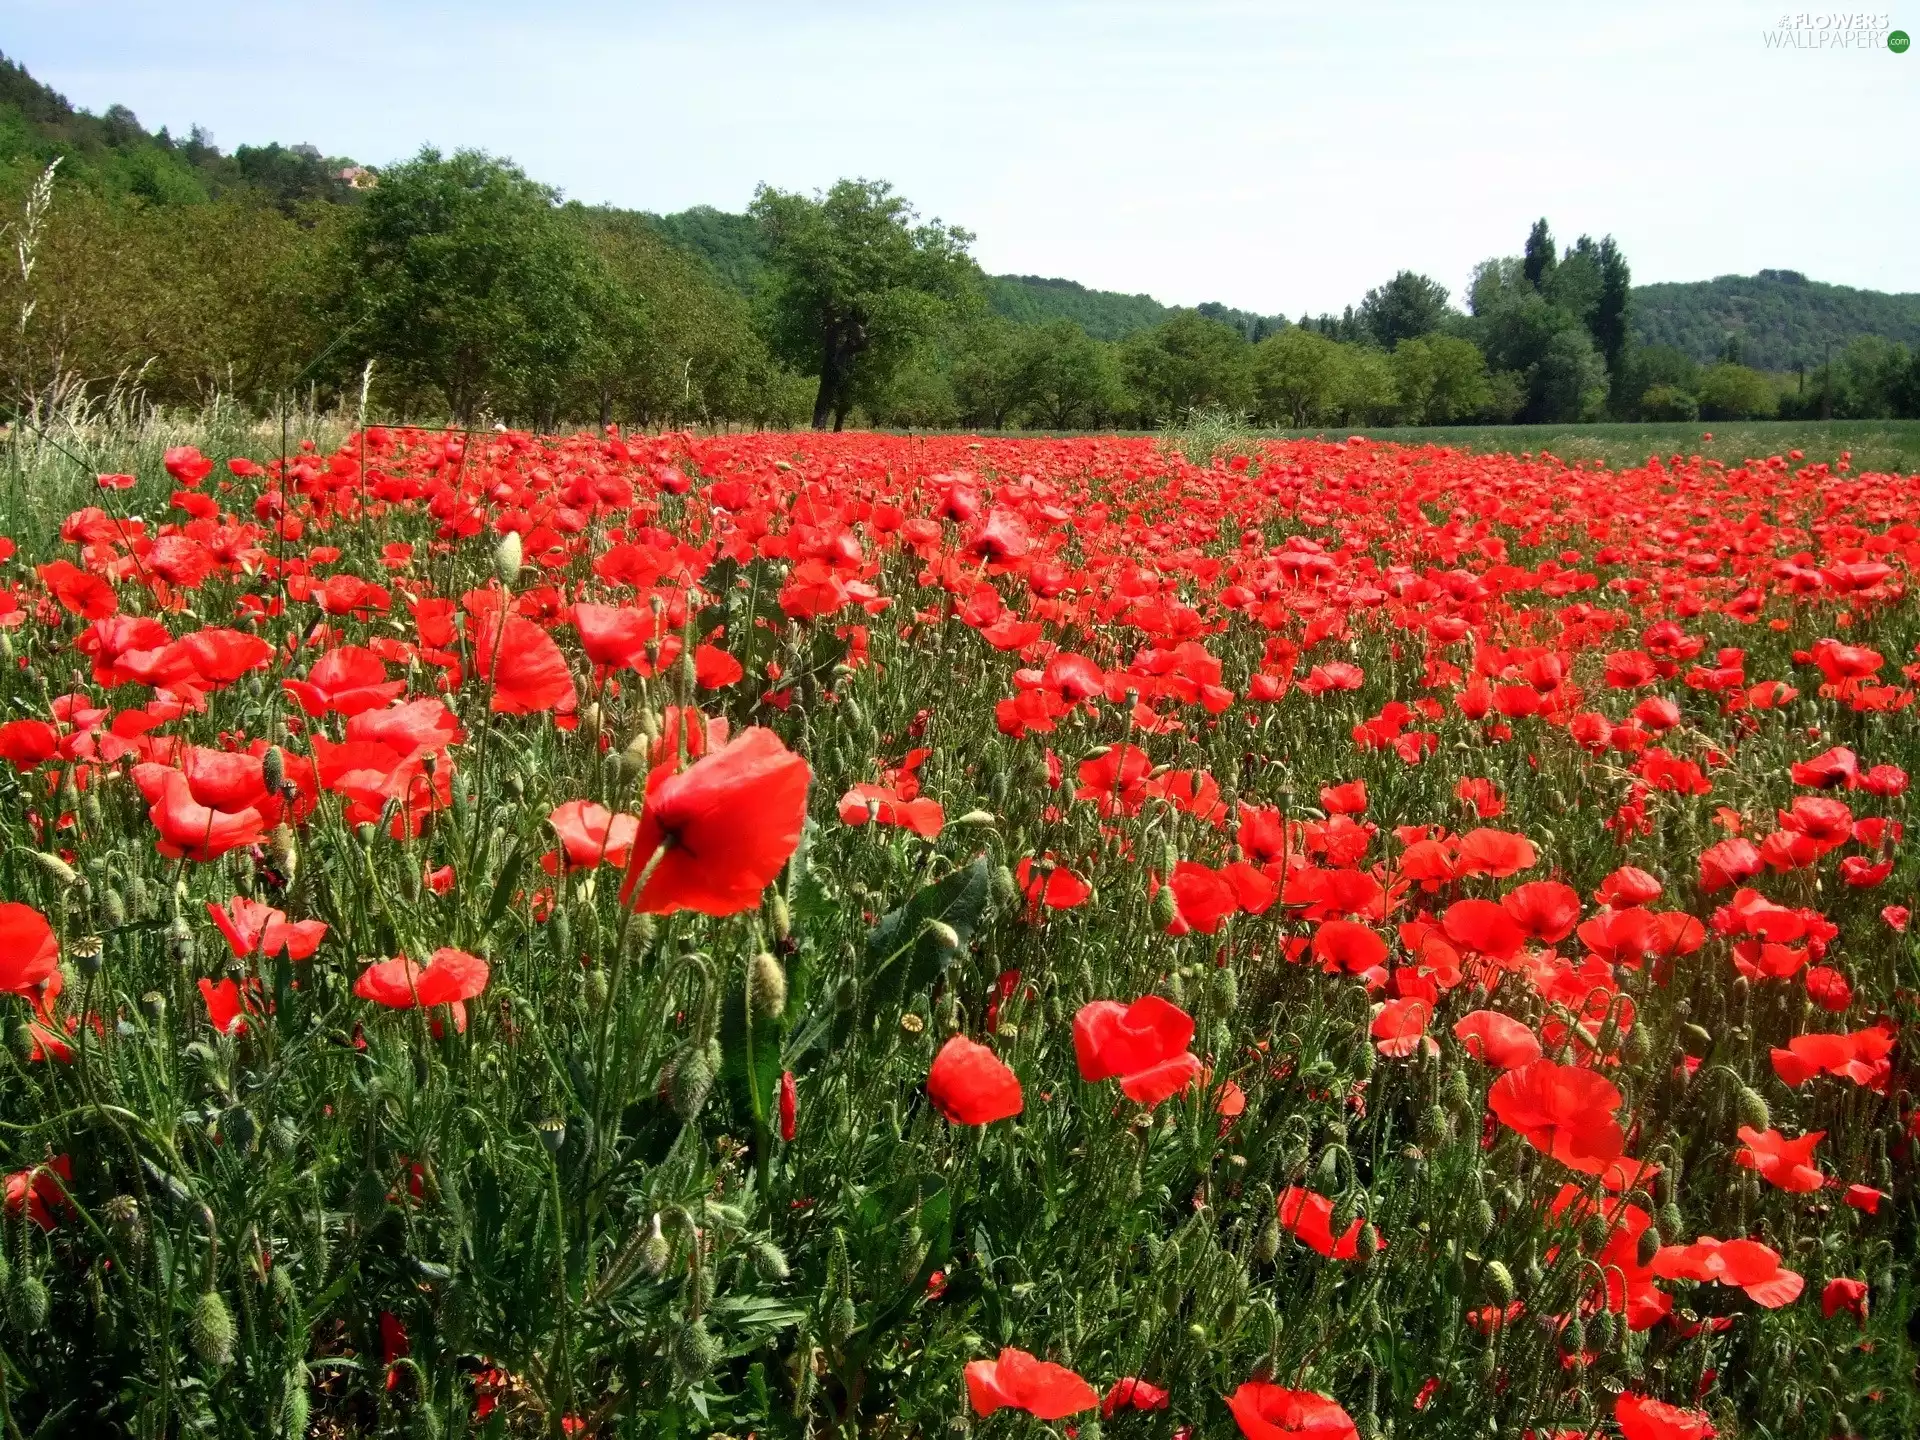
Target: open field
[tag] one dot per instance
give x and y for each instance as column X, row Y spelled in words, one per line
column 806, row 935
column 1884, row 445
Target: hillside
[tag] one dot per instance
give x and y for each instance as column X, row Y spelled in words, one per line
column 115, row 155
column 1103, row 314
column 1782, row 319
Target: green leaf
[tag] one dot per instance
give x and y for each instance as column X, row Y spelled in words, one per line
column 906, row 958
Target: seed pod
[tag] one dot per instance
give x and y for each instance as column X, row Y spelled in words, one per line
column 552, row 1130
column 769, row 982
column 210, row 1330
column 125, row 1223
column 1752, row 1106
column 1499, row 1282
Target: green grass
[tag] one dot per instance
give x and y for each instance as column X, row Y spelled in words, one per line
column 1876, row 445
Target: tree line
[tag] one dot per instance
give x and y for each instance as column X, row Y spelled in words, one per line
column 474, row 292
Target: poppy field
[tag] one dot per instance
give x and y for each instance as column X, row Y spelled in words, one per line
column 839, row 935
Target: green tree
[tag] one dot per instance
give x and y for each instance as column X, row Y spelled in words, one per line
column 1439, row 379
column 1612, row 311
column 854, row 283
column 1405, row 308
column 1569, row 380
column 1188, row 362
column 1296, row 377
column 1733, row 392
column 1064, row 379
column 1538, row 260
column 463, row 281
column 985, row 371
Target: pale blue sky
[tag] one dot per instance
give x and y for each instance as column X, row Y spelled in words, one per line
column 1277, row 157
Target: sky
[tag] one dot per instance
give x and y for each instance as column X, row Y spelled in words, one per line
column 1277, row 157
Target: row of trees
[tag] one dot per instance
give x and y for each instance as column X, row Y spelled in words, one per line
column 475, row 293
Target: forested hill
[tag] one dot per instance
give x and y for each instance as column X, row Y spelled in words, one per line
column 1779, row 318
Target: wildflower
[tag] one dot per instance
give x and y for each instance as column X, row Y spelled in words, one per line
column 1017, row 1381
column 450, row 977
column 1272, row 1412
column 970, row 1085
column 29, row 953
column 1143, row 1045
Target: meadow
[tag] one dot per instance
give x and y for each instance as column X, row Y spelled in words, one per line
column 845, row 934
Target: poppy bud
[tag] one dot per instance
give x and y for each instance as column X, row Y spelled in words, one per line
column 1367, row 1244
column 1459, row 1096
column 1226, row 989
column 1670, row 1220
column 1649, row 1244
column 507, row 556
column 27, row 1303
column 1700, row 1035
column 63, row 874
column 273, row 769
column 115, row 909
column 1435, row 1130
column 1753, row 1109
column 769, row 981
column 1573, row 1339
column 689, row 1080
column 1603, row 1329
column 368, row 1202
column 1499, row 1282
column 1165, row 912
column 238, row 1128
column 597, row 987
column 1266, row 1244
column 946, row 940
column 210, row 1330
column 655, row 1251
column 1344, row 1209
column 840, row 1318
column 694, row 1351
column 1483, row 1216
column 770, row 1262
column 779, row 916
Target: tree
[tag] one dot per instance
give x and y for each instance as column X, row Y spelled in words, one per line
column 985, row 371
column 1569, row 381
column 1405, row 308
column 1063, row 379
column 462, row 280
column 1296, row 377
column 853, row 282
column 1733, row 392
column 1439, row 379
column 1611, row 312
column 1188, row 362
column 1538, row 261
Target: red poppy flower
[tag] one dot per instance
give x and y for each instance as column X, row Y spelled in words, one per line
column 789, row 1105
column 1640, row 1417
column 450, row 977
column 525, row 672
column 194, row 831
column 221, row 657
column 1203, row 897
column 1628, row 886
column 1143, row 1044
column 40, row 1191
column 616, row 636
column 1308, row 1216
column 1842, row 1293
column 1130, row 1393
column 1860, row 1056
column 1400, row 1025
column 970, row 1085
column 727, row 824
column 254, row 928
column 1563, row 1110
column 1545, row 909
column 1498, row 1039
column 27, row 744
column 1273, row 1412
column 1744, row 1264
column 1344, row 945
column 29, row 953
column 593, row 835
column 1017, row 1381
column 224, row 1009
column 345, row 681
column 1049, row 884
column 1785, row 1163
column 1495, row 852
column 1484, row 927
column 882, row 805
